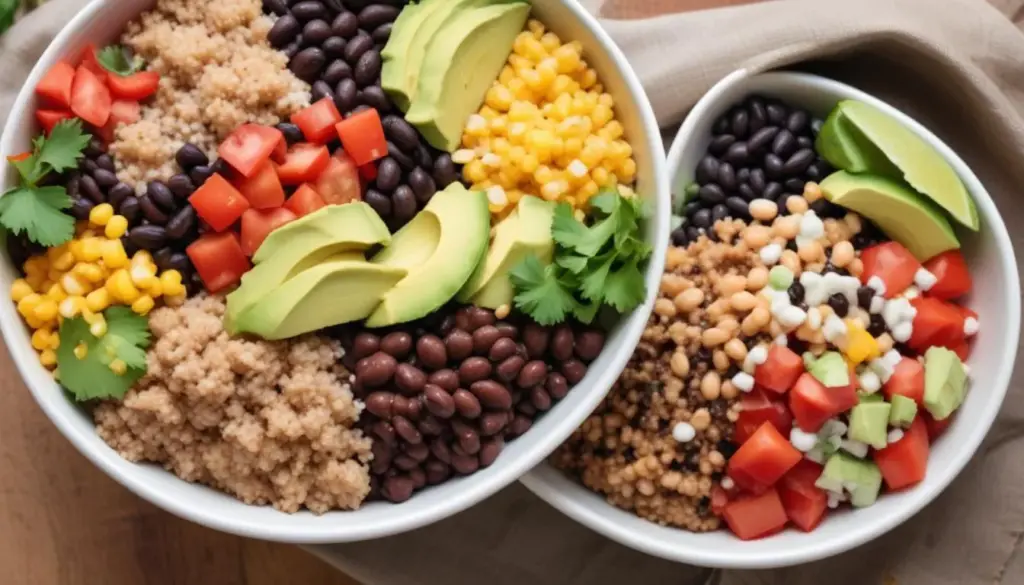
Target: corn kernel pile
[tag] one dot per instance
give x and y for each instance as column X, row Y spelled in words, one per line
column 84, row 277
column 546, row 128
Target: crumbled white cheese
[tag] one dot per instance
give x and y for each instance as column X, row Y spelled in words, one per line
column 811, row 226
column 814, row 318
column 894, row 436
column 892, row 357
column 727, row 483
column 782, row 340
column 877, row 284
column 683, row 432
column 835, row 499
column 897, row 311
column 856, row 448
column 877, row 304
column 791, row 316
column 802, row 441
column 869, row 381
column 834, row 328
column 743, row 381
column 771, row 254
column 903, row 331
column 815, row 291
column 924, row 279
column 971, row 326
column 911, row 293
column 759, row 354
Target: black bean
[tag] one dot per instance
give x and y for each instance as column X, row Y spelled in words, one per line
column 422, row 185
column 692, row 207
column 405, row 161
column 284, row 31
column 814, row 172
column 293, row 48
column 707, row 169
column 151, row 211
column 104, row 161
column 798, row 163
column 876, row 326
column 375, row 97
column 796, row 292
column 739, row 207
column 148, row 237
column 292, row 133
column 315, row 32
column 727, row 177
column 118, row 193
column 334, row 48
column 840, row 304
column 423, row 157
column 345, row 94
column 719, row 144
column 444, row 170
column 712, row 194
column 179, row 261
column 367, row 68
column 762, row 139
column 345, row 25
column 738, row 155
column 864, row 296
column 740, row 123
column 88, row 187
column 321, row 90
column 777, row 112
column 200, row 174
column 81, row 208
column 721, row 126
column 773, row 190
column 758, row 116
column 89, row 166
column 784, row 144
column 382, row 33
column 375, row 15
column 380, row 202
column 756, row 180
column 798, row 122
column 278, row 7
column 162, row 258
column 307, row 64
column 773, row 166
column 129, row 208
column 309, row 10
column 692, row 233
column 403, row 202
column 702, row 219
column 180, row 185
column 795, row 186
column 804, row 142
column 356, row 46
column 160, row 194
column 397, row 130
column 718, row 212
column 94, row 148
column 678, row 236
column 336, row 71
column 389, row 175
column 747, row 192
column 574, row 371
column 183, row 221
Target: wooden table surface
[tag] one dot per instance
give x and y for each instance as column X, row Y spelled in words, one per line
column 63, row 522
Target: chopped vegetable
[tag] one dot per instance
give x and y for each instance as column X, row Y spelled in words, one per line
column 892, row 264
column 303, row 163
column 812, row 403
column 362, row 137
column 952, row 278
column 138, row 86
column 780, row 371
column 257, row 225
column 905, row 462
column 115, row 60
column 937, row 322
column 263, row 190
column 90, row 98
column 804, row 502
column 219, row 260
column 756, row 517
column 304, row 201
column 249, row 146
column 90, row 60
column 218, row 203
column 48, row 119
column 763, row 459
column 339, row 182
column 317, row 121
column 104, row 366
column 55, row 86
column 756, row 409
column 907, row 379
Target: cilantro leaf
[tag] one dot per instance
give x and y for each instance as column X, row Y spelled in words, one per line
column 28, row 168
column 37, row 212
column 607, row 200
column 585, row 312
column 572, row 263
column 541, row 294
column 115, row 59
column 64, row 147
column 624, row 288
column 565, row 229
column 91, row 377
column 592, row 283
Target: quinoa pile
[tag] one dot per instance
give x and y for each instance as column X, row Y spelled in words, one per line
column 269, row 422
column 217, row 71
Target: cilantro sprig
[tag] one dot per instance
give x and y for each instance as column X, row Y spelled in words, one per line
column 33, row 208
column 594, row 265
column 115, row 59
column 91, row 377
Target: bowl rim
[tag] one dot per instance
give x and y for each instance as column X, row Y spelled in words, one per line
column 327, row 531
column 558, row 490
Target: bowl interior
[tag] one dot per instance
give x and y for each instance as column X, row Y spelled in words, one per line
column 101, row 22
column 996, row 298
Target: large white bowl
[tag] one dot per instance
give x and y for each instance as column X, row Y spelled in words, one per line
column 996, row 298
column 101, row 22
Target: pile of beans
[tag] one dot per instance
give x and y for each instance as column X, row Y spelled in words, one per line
column 334, row 45
column 444, row 394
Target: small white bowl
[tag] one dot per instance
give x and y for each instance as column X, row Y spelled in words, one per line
column 101, row 22
column 996, row 298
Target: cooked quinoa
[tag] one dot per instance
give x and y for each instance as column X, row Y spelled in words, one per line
column 217, row 71
column 269, row 422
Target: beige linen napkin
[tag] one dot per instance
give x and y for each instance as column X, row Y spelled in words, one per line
column 956, row 64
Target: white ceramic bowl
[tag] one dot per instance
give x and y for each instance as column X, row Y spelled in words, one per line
column 101, row 22
column 996, row 298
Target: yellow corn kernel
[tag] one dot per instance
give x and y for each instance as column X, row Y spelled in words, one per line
column 71, row 307
column 521, row 111
column 155, row 288
column 101, row 214
column 56, row 293
column 175, row 300
column 499, row 126
column 99, row 328
column 37, row 265
column 627, row 171
column 543, row 175
column 41, row 339
column 143, row 275
column 114, row 255
column 118, row 367
column 529, row 163
column 550, row 42
column 46, row 310
column 98, row 300
column 170, row 279
column 36, row 281
column 554, row 189
column 73, row 285
column 48, row 358
column 588, row 190
column 567, row 57
column 143, row 304
column 573, row 147
column 81, row 350
column 474, row 171
column 588, row 79
column 601, row 115
column 861, row 346
column 507, row 74
column 28, row 303
column 536, row 27
column 88, row 272
column 601, row 176
column 62, row 262
column 142, row 258
column 20, row 289
column 116, row 227
column 93, row 249
column 121, row 288
column 533, row 49
column 499, row 97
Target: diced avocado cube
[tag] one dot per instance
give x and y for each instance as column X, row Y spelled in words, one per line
column 861, row 478
column 830, row 369
column 903, row 411
column 869, row 423
column 945, row 382
column 865, row 397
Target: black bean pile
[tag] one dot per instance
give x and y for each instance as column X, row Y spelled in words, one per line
column 761, row 148
column 334, row 45
column 444, row 395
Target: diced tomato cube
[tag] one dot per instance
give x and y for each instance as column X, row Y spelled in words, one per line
column 756, row 409
column 304, row 201
column 719, row 500
column 763, row 459
column 249, row 146
column 780, row 371
column 263, row 190
column 756, row 516
column 218, row 259
column 137, row 86
column 339, row 183
column 935, row 427
column 804, row 502
column 257, row 225
column 303, row 163
column 121, row 112
column 953, row 279
column 937, row 322
column 368, row 172
column 90, row 98
column 907, row 379
column 962, row 350
column 893, row 264
column 317, row 121
column 812, row 403
column 905, row 462
column 55, row 86
column 90, row 60
column 218, row 203
column 49, row 118
column 362, row 137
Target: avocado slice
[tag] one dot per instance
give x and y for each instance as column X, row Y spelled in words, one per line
column 863, row 397
column 302, row 244
column 869, row 423
column 830, row 369
column 341, row 289
column 902, row 214
column 462, row 61
column 845, row 147
column 441, row 248
column 945, row 382
column 861, row 478
column 527, row 230
column 922, row 167
column 903, row 412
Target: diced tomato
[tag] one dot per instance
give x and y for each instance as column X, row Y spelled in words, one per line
column 756, row 409
column 907, row 379
column 937, row 323
column 121, row 112
column 49, row 118
column 90, row 98
column 905, row 462
column 719, row 500
column 368, row 172
column 303, row 163
column 55, row 86
column 263, row 190
column 757, row 516
column 137, row 86
column 962, row 350
column 339, row 183
column 812, row 403
column 218, row 203
column 19, row 157
column 935, row 427
column 90, row 60
column 764, row 458
column 249, row 146
column 317, row 121
column 257, row 225
column 304, row 201
column 804, row 502
column 362, row 137
column 218, row 259
column 780, row 371
column 280, row 153
column 892, row 263
column 953, row 279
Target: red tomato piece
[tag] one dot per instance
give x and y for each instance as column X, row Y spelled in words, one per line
column 218, row 203
column 892, row 263
column 935, row 427
column 780, row 371
column 218, row 259
column 90, row 98
column 962, row 350
column 368, row 172
column 362, row 137
column 937, row 323
column 303, row 163
column 317, row 121
column 49, row 118
column 804, row 502
column 249, row 146
column 953, row 279
column 719, row 500
column 137, row 86
column 91, row 61
column 907, row 379
column 339, row 183
column 812, row 403
column 756, row 409
column 757, row 516
column 764, row 458
column 263, row 190
column 121, row 112
column 257, row 225
column 905, row 462
column 280, row 152
column 304, row 201
column 55, row 86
